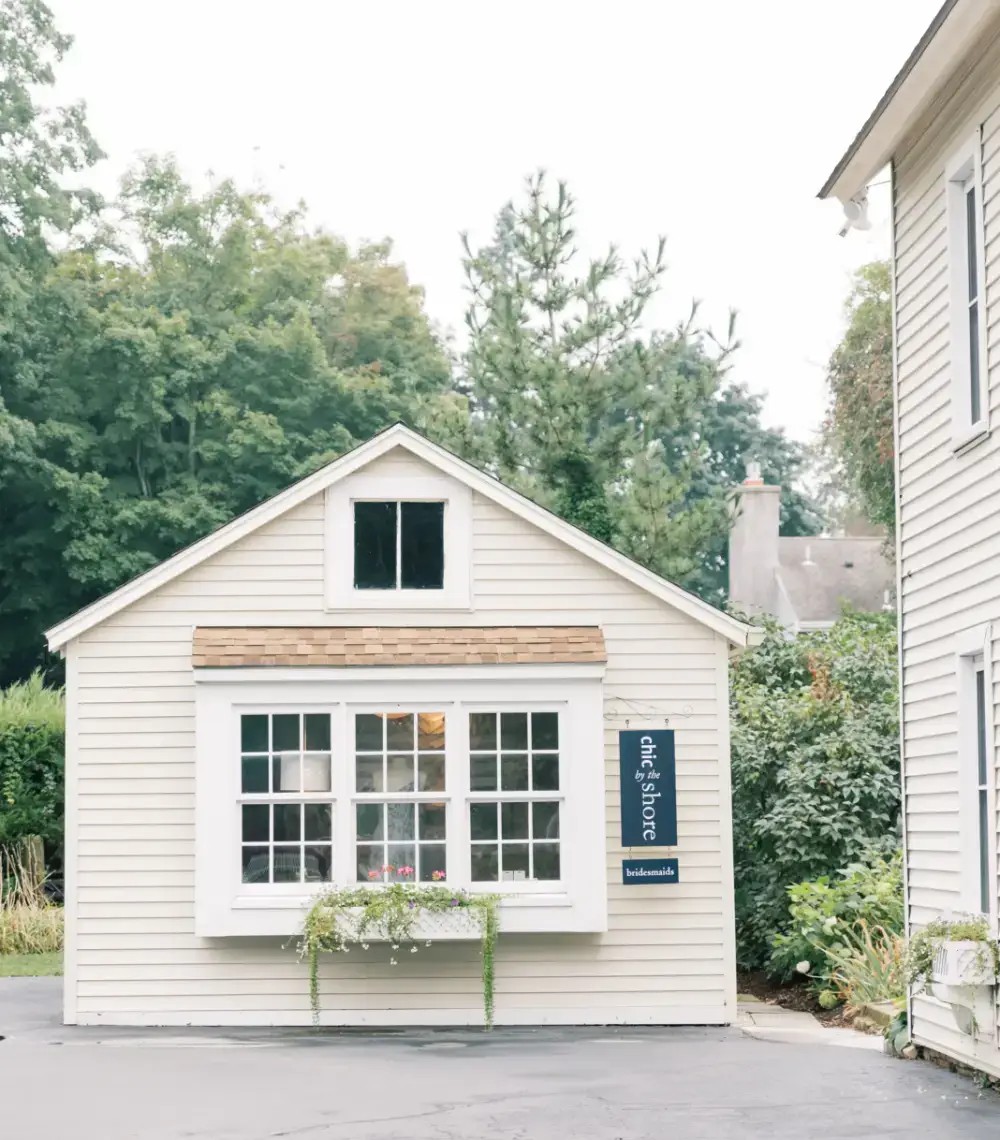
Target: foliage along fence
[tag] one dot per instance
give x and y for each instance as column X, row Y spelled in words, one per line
column 32, row 735
column 815, row 752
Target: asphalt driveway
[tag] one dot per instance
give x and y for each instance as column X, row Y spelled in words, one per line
column 685, row 1084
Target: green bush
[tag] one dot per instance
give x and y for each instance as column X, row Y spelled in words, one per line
column 869, row 966
column 870, row 891
column 32, row 734
column 815, row 765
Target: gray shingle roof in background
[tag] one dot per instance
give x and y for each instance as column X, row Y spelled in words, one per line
column 820, row 575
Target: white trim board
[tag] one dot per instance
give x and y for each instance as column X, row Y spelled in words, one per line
column 735, row 632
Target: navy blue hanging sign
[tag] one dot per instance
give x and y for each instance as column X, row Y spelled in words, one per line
column 648, row 787
column 635, row 871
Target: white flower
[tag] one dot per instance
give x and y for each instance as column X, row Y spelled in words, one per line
column 395, row 945
column 392, row 961
column 428, row 942
column 364, row 945
column 803, row 967
column 413, row 949
column 830, row 923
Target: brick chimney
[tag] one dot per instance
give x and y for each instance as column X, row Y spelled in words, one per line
column 753, row 544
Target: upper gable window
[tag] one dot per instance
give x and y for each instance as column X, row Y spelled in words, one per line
column 398, row 543
column 970, row 410
column 399, row 546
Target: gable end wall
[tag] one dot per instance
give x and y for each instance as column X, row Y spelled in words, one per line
column 668, row 955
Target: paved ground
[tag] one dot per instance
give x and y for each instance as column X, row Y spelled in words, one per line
column 680, row 1084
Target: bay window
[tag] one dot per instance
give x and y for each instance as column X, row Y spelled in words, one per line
column 492, row 786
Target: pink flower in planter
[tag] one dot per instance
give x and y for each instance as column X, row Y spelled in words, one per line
column 388, row 868
column 374, row 874
column 437, row 876
column 405, row 871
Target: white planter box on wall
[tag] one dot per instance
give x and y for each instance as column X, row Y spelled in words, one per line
column 463, row 924
column 964, row 963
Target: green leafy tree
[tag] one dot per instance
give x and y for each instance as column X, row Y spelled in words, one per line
column 860, row 427
column 634, row 435
column 815, row 755
column 208, row 351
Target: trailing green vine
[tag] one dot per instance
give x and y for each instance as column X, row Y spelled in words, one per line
column 925, row 943
column 351, row 916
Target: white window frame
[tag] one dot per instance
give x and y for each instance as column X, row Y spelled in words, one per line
column 972, row 656
column 341, row 592
column 962, row 173
column 224, row 906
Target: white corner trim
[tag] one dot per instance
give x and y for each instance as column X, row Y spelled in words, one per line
column 734, row 631
column 338, row 545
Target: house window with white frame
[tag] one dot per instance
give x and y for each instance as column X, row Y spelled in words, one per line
column 286, row 814
column 975, row 770
column 970, row 412
column 398, row 545
column 440, row 784
column 982, row 790
column 386, row 550
column 400, row 816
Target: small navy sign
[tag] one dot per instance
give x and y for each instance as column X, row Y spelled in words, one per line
column 635, row 871
column 649, row 787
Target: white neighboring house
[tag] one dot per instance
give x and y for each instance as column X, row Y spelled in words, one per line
column 331, row 683
column 938, row 128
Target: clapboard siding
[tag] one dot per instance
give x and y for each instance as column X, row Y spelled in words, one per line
column 668, row 955
column 949, row 505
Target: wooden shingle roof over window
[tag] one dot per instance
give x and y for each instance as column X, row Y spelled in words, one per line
column 397, row 645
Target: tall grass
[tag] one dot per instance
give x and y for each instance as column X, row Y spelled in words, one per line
column 29, row 923
column 869, row 965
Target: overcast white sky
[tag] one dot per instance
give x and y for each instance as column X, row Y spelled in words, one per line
column 713, row 122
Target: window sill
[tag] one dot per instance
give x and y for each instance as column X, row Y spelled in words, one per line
column 256, row 916
column 967, row 439
column 378, row 600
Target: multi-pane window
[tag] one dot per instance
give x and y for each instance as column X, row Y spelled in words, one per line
column 966, row 241
column 286, row 811
column 514, row 805
column 400, row 814
column 982, row 788
column 398, row 545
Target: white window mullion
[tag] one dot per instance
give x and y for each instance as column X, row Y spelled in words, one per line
column 399, row 545
column 457, row 782
column 341, row 787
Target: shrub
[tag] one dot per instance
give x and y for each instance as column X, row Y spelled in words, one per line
column 815, row 765
column 869, row 965
column 870, row 891
column 32, row 731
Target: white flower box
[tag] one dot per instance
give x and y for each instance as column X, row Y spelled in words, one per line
column 964, row 963
column 457, row 924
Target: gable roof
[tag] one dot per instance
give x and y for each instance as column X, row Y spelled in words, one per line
column 956, row 30
column 820, row 574
column 736, row 632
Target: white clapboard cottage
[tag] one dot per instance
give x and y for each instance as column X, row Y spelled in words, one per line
column 938, row 129
column 396, row 663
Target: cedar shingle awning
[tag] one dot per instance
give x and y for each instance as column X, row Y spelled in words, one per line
column 216, row 647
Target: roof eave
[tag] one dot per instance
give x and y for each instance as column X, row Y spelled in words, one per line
column 954, row 30
column 723, row 624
